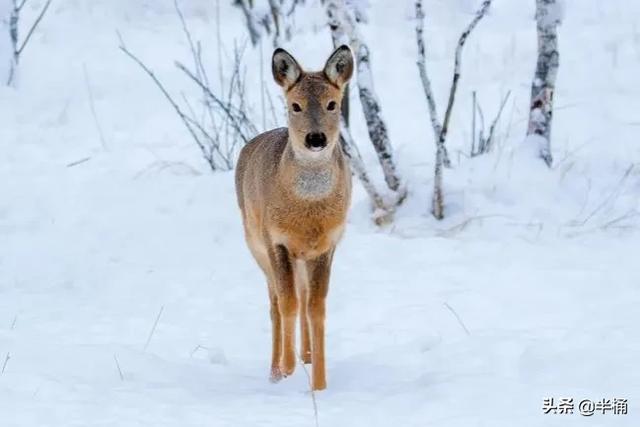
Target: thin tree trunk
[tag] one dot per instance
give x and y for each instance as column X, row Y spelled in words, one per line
column 13, row 34
column 14, row 17
column 343, row 27
column 544, row 80
column 440, row 131
column 339, row 38
column 350, row 149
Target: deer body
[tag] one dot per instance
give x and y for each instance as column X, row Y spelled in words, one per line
column 294, row 188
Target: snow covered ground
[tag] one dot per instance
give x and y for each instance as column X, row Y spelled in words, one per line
column 529, row 289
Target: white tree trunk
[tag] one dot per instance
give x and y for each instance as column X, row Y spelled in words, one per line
column 440, row 130
column 548, row 16
column 343, row 27
column 382, row 212
column 5, row 40
column 14, row 18
column 339, row 37
column 10, row 16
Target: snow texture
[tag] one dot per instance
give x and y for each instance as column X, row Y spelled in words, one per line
column 527, row 289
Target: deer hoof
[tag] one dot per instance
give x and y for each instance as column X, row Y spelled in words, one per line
column 276, row 374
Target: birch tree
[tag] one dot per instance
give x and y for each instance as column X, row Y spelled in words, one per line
column 344, row 28
column 440, row 131
column 548, row 17
column 17, row 47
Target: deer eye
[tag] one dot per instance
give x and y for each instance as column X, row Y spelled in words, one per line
column 331, row 106
column 296, row 107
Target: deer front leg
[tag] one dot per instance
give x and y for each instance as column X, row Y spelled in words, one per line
column 305, row 336
column 287, row 305
column 276, row 337
column 302, row 285
column 319, row 271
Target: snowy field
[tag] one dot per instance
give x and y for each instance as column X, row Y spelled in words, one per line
column 529, row 289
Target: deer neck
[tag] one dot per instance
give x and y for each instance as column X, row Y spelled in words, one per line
column 311, row 178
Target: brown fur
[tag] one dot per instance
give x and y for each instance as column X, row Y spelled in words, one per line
column 294, row 205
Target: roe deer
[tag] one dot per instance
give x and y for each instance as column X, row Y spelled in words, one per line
column 294, row 188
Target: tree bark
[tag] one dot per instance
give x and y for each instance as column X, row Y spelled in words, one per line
column 14, row 17
column 339, row 38
column 343, row 26
column 543, row 85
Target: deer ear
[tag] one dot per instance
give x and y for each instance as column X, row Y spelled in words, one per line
column 339, row 66
column 286, row 70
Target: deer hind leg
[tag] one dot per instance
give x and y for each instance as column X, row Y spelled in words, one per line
column 260, row 253
column 302, row 285
column 319, row 270
column 287, row 305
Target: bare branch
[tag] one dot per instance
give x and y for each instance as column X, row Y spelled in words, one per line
column 311, row 391
column 237, row 117
column 440, row 131
column 457, row 318
column 252, row 24
column 118, row 366
column 188, row 122
column 78, row 162
column 485, row 144
column 153, row 329
column 93, row 107
column 6, row 360
column 489, row 141
column 33, row 27
column 20, row 6
column 457, row 64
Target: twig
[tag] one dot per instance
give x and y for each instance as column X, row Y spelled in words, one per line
column 313, row 393
column 485, row 144
column 272, row 108
column 33, row 27
column 473, row 123
column 235, row 121
column 154, row 328
column 198, row 347
column 611, row 196
column 458, row 318
column 219, row 47
column 631, row 214
column 19, row 7
column 118, row 366
column 6, row 360
column 93, row 107
column 186, row 120
column 187, row 33
column 465, row 223
column 250, row 18
column 456, row 67
column 78, row 162
column 492, row 128
column 15, row 318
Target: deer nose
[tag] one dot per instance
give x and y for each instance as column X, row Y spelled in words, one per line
column 315, row 141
